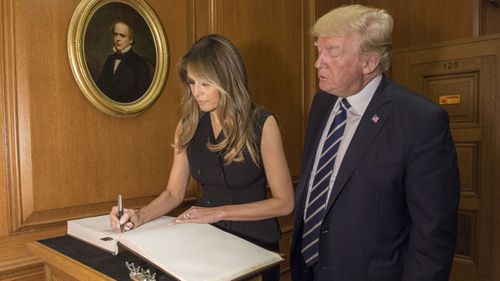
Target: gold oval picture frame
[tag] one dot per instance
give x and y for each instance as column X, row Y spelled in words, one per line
column 91, row 53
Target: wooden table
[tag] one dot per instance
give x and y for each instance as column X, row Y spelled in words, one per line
column 60, row 266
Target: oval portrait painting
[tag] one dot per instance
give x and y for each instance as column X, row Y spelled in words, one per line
column 120, row 52
column 123, row 49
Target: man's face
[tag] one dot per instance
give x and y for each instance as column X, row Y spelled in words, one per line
column 122, row 36
column 340, row 65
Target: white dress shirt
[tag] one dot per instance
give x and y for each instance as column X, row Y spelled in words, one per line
column 359, row 102
column 117, row 61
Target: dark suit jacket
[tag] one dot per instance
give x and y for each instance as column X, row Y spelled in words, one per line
column 130, row 80
column 392, row 213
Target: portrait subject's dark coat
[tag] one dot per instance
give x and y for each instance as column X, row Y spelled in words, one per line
column 130, row 80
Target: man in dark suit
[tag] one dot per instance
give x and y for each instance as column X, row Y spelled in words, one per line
column 125, row 76
column 377, row 199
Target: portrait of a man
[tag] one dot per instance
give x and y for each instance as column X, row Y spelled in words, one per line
column 120, row 52
column 126, row 75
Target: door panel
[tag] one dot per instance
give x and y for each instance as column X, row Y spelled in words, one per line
column 463, row 83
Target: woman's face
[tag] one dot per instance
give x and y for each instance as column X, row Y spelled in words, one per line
column 205, row 94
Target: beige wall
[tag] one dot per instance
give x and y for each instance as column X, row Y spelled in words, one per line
column 61, row 158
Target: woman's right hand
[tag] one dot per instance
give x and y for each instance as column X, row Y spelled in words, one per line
column 130, row 219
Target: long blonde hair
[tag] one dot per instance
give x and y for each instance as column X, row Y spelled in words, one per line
column 214, row 59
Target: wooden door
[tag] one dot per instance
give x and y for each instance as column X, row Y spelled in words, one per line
column 460, row 76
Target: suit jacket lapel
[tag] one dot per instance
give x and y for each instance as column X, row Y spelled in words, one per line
column 371, row 122
column 310, row 153
column 317, row 136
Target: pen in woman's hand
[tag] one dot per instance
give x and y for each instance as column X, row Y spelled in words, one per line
column 120, row 211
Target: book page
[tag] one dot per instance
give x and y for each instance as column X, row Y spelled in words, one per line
column 100, row 224
column 197, row 251
column 95, row 231
column 189, row 252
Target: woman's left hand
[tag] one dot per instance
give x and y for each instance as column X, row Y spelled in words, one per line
column 197, row 214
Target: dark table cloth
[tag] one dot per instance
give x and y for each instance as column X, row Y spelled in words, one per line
column 100, row 260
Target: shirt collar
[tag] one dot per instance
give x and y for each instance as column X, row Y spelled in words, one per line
column 124, row 50
column 359, row 101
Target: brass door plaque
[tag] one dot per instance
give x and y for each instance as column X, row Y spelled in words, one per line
column 449, row 99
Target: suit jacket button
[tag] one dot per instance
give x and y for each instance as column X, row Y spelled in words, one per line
column 199, row 172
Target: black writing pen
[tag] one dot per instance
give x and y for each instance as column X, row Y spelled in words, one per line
column 120, row 211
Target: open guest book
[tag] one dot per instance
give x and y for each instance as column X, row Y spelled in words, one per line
column 188, row 252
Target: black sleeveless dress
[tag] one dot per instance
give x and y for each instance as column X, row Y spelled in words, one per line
column 234, row 183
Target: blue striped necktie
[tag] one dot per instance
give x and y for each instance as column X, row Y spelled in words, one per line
column 315, row 207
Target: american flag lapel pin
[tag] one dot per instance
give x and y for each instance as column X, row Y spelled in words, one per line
column 375, row 118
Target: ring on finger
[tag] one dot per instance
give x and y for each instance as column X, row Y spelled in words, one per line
column 130, row 225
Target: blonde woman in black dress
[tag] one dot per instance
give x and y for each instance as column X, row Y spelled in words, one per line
column 232, row 147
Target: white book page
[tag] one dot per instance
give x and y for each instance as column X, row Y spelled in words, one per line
column 197, row 251
column 96, row 231
column 189, row 252
column 100, row 224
